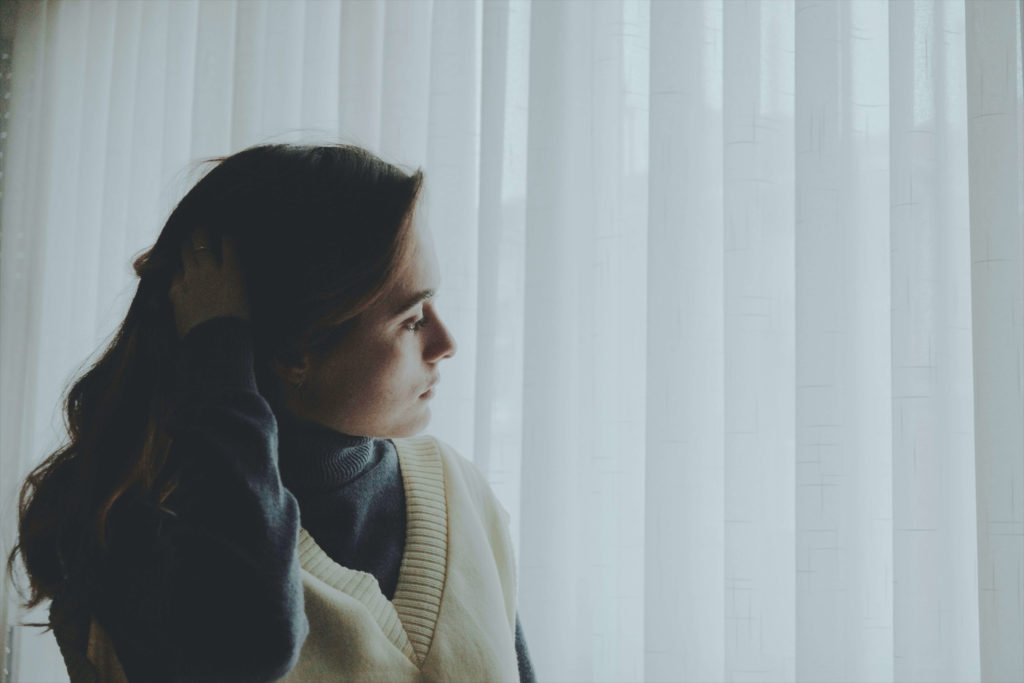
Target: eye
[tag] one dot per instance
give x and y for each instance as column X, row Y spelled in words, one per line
column 416, row 325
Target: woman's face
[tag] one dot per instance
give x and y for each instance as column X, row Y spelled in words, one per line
column 375, row 382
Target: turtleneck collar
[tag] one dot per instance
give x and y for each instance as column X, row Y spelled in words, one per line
column 314, row 456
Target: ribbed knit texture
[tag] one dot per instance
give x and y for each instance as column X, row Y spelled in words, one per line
column 350, row 494
column 411, row 616
column 421, row 578
column 318, row 457
column 456, row 596
column 360, row 585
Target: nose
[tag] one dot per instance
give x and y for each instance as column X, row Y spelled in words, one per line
column 444, row 345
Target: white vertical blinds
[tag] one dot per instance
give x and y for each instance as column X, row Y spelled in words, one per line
column 995, row 142
column 738, row 287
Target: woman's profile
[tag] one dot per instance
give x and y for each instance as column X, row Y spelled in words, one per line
column 245, row 493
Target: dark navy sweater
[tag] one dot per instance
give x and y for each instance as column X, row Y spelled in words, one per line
column 207, row 586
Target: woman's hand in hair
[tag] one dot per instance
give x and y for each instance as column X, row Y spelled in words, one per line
column 206, row 288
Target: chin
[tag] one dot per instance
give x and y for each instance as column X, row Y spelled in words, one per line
column 411, row 427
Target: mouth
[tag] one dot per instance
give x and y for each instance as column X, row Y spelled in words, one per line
column 430, row 390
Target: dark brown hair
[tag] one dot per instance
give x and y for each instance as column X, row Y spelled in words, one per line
column 320, row 231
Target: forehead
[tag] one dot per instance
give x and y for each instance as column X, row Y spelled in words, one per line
column 421, row 272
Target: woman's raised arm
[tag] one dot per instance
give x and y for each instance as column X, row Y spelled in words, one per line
column 207, row 585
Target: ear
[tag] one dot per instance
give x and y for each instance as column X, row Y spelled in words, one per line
column 292, row 372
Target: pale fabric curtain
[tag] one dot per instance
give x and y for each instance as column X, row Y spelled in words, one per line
column 737, row 286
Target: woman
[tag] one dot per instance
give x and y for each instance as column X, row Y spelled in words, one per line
column 243, row 496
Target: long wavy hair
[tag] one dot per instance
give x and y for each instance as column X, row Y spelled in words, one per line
column 320, row 231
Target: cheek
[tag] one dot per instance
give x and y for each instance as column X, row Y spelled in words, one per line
column 390, row 370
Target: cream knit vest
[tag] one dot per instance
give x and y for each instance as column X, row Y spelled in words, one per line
column 453, row 614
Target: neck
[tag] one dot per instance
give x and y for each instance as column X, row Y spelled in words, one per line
column 314, row 456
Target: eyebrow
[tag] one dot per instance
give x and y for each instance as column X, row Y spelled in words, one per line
column 415, row 299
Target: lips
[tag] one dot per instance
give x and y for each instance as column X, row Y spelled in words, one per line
column 432, row 385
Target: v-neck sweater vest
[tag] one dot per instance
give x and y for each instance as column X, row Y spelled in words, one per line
column 453, row 614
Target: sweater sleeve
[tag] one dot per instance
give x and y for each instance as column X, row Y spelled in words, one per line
column 207, row 586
